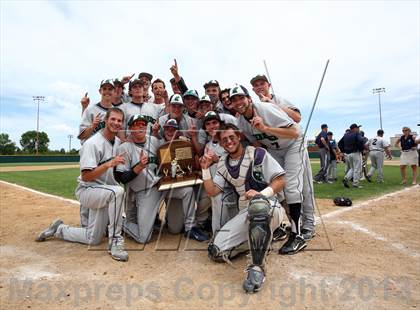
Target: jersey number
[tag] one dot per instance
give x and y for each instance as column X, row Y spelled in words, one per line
column 374, row 141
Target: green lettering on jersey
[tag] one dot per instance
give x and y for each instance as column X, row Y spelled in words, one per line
column 262, row 136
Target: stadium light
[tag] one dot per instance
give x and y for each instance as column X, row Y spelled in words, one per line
column 379, row 91
column 37, row 99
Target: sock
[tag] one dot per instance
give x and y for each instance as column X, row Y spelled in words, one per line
column 295, row 217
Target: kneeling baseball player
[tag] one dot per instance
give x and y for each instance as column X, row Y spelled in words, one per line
column 139, row 171
column 257, row 178
column 98, row 191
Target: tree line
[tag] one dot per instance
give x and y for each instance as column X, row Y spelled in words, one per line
column 28, row 142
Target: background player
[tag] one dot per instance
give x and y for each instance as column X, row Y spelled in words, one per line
column 377, row 147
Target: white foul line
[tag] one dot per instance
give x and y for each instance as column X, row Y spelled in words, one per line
column 398, row 246
column 72, row 201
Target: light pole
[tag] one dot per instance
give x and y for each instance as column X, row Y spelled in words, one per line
column 70, row 137
column 379, row 91
column 37, row 99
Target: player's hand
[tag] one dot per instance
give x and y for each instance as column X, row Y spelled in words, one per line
column 251, row 193
column 165, row 96
column 264, row 98
column 210, row 153
column 117, row 160
column 258, row 123
column 192, row 130
column 205, row 161
column 174, row 69
column 127, row 78
column 85, row 101
column 144, row 159
column 96, row 121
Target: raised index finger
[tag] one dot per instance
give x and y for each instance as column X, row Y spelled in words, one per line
column 176, row 65
column 86, row 95
column 132, row 76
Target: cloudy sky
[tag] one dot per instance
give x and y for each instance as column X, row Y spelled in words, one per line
column 62, row 49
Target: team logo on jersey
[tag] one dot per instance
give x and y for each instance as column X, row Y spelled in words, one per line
column 262, row 136
column 257, row 173
column 100, row 126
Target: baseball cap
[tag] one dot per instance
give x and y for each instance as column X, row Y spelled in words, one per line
column 171, row 123
column 329, row 133
column 238, row 90
column 176, row 99
column 191, row 92
column 211, row 83
column 259, row 77
column 324, row 126
column 146, row 75
column 118, row 82
column 135, row 82
column 106, row 82
column 209, row 116
column 205, row 98
column 352, row 126
column 136, row 118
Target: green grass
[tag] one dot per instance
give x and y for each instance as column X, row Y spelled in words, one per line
column 37, row 164
column 62, row 182
column 392, row 180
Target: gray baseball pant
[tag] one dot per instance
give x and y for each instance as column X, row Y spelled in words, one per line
column 377, row 163
column 308, row 203
column 148, row 202
column 235, row 232
column 105, row 205
column 355, row 163
column 332, row 170
column 324, row 156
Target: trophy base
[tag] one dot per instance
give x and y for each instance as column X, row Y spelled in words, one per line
column 180, row 182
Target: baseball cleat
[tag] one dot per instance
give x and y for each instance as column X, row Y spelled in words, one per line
column 117, row 251
column 346, row 183
column 50, row 231
column 279, row 233
column 254, row 280
column 196, row 234
column 294, row 244
column 369, row 178
column 307, row 234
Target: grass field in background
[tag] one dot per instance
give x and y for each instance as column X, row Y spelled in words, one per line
column 37, row 164
column 62, row 182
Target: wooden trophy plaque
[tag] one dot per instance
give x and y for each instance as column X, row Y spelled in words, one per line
column 177, row 165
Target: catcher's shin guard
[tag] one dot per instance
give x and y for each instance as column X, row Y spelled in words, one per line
column 259, row 215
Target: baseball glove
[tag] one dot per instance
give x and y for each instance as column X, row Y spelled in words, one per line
column 342, row 201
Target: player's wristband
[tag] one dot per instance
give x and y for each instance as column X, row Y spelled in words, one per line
column 206, row 174
column 267, row 192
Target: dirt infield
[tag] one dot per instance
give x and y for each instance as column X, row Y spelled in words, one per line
column 366, row 257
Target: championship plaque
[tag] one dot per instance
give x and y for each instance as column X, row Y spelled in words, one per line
column 177, row 165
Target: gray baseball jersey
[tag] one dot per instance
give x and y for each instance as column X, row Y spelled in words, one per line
column 272, row 117
column 94, row 152
column 148, row 177
column 150, row 110
column 88, row 116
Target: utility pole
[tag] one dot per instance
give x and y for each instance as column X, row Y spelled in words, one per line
column 379, row 91
column 70, row 137
column 37, row 99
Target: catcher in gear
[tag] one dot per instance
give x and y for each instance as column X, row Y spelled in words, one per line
column 256, row 178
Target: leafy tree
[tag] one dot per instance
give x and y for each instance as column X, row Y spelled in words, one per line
column 7, row 146
column 28, row 141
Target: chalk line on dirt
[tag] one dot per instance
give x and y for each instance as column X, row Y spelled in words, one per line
column 398, row 246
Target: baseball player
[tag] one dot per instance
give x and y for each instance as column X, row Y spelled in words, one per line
column 352, row 144
column 223, row 205
column 256, row 178
column 191, row 99
column 138, row 106
column 160, row 94
column 261, row 87
column 98, row 191
column 324, row 155
column 270, row 126
column 176, row 106
column 377, row 147
column 93, row 116
column 334, row 155
column 226, row 104
column 139, row 171
column 146, row 78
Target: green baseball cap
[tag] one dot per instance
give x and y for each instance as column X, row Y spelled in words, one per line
column 137, row 118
